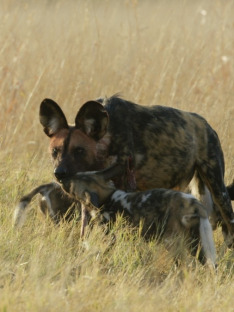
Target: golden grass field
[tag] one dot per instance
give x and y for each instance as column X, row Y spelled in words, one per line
column 174, row 53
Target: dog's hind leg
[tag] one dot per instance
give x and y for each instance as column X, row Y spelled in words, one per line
column 19, row 215
column 213, row 178
column 194, row 244
column 198, row 188
column 230, row 189
column 211, row 167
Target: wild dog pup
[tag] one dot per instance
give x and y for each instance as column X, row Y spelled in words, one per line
column 162, row 211
column 53, row 202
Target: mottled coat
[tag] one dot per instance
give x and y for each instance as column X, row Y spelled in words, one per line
column 155, row 146
column 161, row 212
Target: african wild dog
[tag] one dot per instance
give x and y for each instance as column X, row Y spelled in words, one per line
column 165, row 212
column 164, row 147
column 53, row 202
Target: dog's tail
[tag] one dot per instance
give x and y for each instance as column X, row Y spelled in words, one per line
column 19, row 215
column 207, row 241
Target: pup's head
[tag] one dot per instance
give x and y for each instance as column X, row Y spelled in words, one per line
column 95, row 185
column 77, row 148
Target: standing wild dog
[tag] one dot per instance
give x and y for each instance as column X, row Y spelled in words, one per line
column 53, row 202
column 164, row 147
column 162, row 211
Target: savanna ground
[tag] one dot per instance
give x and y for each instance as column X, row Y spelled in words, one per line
column 174, row 53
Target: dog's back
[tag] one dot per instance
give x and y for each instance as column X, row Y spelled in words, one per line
column 174, row 210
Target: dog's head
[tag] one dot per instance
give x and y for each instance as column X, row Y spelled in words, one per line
column 75, row 148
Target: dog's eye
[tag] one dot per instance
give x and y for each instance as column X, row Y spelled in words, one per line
column 79, row 151
column 54, row 152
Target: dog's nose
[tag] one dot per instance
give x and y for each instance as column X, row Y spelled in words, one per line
column 60, row 173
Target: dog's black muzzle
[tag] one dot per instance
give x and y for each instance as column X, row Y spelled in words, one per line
column 61, row 174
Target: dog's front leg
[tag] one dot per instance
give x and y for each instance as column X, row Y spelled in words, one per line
column 84, row 219
column 131, row 179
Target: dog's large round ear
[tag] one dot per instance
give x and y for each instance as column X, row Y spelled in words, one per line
column 92, row 119
column 52, row 117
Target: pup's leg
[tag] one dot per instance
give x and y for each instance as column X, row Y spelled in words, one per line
column 19, row 215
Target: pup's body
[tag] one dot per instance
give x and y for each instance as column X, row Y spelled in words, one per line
column 162, row 212
column 58, row 205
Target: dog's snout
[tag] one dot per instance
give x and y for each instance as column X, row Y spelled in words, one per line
column 60, row 173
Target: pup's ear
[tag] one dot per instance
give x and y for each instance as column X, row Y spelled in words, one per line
column 92, row 198
column 92, row 119
column 112, row 171
column 52, row 117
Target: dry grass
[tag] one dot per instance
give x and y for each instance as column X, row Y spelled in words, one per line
column 175, row 53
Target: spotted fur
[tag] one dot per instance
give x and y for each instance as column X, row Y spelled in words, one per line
column 162, row 212
column 155, row 147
